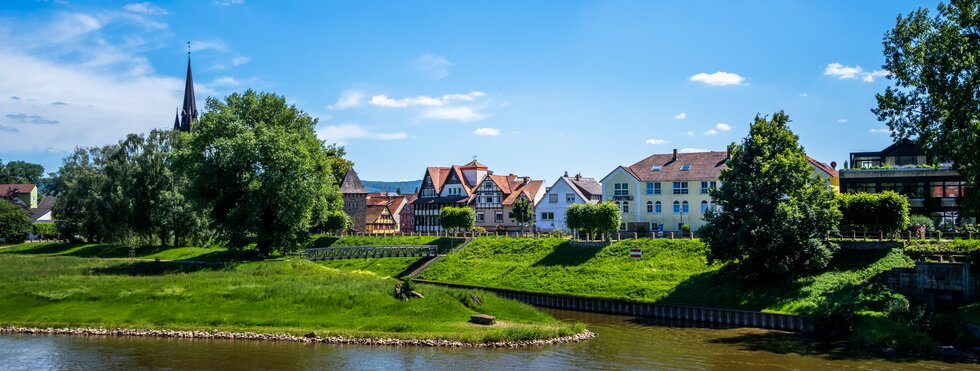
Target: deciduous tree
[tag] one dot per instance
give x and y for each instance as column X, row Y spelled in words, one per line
column 774, row 219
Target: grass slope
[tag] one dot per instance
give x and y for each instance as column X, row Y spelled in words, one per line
column 385, row 267
column 293, row 296
column 120, row 251
column 671, row 271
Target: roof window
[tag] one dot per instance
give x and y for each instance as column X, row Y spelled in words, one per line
column 685, row 167
column 657, row 167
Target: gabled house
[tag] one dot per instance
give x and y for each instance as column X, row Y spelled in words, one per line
column 494, row 200
column 442, row 187
column 567, row 190
column 383, row 213
column 24, row 195
column 406, row 218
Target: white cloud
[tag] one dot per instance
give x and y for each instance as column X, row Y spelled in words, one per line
column 804, row 94
column 690, row 133
column 680, row 116
column 721, row 126
column 718, row 78
column 433, row 65
column 225, row 81
column 465, row 114
column 145, row 8
column 880, row 131
column 229, row 2
column 842, row 71
column 385, row 101
column 847, row 72
column 842, row 120
column 240, row 60
column 692, row 150
column 486, row 132
column 201, row 45
column 348, row 99
column 340, row 134
column 656, row 141
column 871, row 76
column 711, row 132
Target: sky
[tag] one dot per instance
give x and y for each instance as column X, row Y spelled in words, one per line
column 534, row 88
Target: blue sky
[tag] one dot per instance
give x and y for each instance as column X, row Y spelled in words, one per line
column 530, row 87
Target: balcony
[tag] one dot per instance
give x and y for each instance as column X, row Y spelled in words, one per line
column 623, row 198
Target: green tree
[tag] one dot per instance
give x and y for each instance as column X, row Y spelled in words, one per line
column 20, row 172
column 256, row 164
column 336, row 221
column 80, row 207
column 522, row 212
column 15, row 222
column 457, row 218
column 935, row 68
column 774, row 219
column 45, row 229
column 593, row 218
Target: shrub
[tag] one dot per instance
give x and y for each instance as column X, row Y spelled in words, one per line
column 593, row 218
column 686, row 229
column 15, row 223
column 46, row 229
column 457, row 218
column 922, row 220
column 887, row 211
column 479, row 229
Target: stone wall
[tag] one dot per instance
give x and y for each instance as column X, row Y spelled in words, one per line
column 936, row 284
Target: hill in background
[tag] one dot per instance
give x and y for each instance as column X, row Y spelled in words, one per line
column 408, row 186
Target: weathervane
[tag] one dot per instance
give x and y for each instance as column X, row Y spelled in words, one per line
column 188, row 49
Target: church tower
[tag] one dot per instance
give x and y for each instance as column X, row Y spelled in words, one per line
column 188, row 113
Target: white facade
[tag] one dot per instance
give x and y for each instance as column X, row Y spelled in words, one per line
column 550, row 210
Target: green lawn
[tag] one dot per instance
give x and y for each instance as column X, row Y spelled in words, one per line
column 443, row 243
column 671, row 271
column 286, row 296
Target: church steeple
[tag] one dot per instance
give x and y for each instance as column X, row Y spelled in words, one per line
column 189, row 112
column 177, row 120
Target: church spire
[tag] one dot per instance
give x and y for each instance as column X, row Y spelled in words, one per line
column 177, row 120
column 189, row 112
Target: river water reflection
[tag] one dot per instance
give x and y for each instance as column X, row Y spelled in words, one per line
column 623, row 343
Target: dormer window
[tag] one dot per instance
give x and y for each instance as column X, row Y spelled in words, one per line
column 685, row 167
column 657, row 167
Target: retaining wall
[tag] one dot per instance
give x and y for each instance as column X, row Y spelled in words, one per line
column 728, row 317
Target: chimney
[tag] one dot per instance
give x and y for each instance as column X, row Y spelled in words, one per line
column 675, row 154
column 566, row 173
column 833, row 165
column 729, row 153
column 578, row 176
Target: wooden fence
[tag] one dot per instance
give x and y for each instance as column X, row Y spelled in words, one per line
column 360, row 252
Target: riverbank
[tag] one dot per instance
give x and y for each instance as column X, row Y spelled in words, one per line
column 307, row 338
column 288, row 297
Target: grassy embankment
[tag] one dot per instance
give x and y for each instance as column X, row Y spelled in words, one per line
column 670, row 271
column 85, row 250
column 385, row 267
column 285, row 296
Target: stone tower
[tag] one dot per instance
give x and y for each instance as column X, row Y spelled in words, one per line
column 355, row 199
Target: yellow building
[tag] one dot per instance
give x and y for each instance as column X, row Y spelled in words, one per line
column 665, row 191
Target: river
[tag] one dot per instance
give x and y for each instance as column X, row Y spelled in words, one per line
column 623, row 343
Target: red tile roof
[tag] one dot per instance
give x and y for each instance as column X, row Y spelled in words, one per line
column 831, row 172
column 703, row 166
column 19, row 188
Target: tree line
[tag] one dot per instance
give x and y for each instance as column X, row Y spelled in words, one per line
column 252, row 173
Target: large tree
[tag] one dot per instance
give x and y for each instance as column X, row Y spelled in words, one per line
column 775, row 217
column 934, row 64
column 257, row 165
column 20, row 172
column 80, row 207
column 522, row 212
column 15, row 223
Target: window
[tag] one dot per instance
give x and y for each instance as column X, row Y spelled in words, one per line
column 547, row 216
column 677, row 207
column 650, row 207
column 570, row 198
column 622, row 226
column 480, row 218
column 626, row 207
column 685, row 167
column 680, row 188
column 685, row 208
column 498, row 217
column 656, row 188
column 553, row 198
column 621, row 189
column 656, row 168
column 706, row 187
column 704, row 206
column 658, row 207
column 649, row 188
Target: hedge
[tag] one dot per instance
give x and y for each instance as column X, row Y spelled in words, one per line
column 887, row 211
